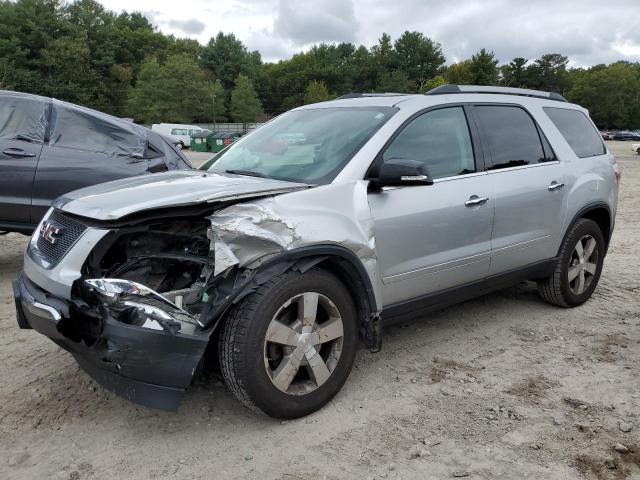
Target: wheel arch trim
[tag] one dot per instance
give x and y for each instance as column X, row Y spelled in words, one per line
column 581, row 213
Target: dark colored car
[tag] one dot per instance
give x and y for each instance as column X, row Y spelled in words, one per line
column 626, row 136
column 49, row 147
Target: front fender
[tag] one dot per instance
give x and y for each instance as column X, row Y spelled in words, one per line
column 246, row 235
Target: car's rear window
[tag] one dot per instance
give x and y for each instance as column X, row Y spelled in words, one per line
column 578, row 131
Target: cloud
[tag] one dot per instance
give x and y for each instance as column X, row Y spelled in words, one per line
column 191, row 26
column 314, row 21
column 588, row 31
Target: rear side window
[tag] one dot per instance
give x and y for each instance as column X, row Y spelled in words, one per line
column 179, row 131
column 22, row 119
column 577, row 130
column 511, row 135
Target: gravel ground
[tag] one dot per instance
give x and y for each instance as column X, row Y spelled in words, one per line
column 502, row 387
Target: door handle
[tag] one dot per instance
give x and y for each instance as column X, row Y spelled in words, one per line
column 16, row 152
column 555, row 186
column 474, row 201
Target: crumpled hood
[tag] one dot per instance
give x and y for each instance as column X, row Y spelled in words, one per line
column 114, row 200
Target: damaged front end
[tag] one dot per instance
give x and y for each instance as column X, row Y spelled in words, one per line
column 150, row 294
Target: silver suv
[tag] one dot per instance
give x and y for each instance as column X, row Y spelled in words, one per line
column 304, row 238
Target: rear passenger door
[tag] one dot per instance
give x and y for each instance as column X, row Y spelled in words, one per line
column 22, row 130
column 528, row 183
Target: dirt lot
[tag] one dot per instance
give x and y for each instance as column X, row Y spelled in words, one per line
column 502, row 387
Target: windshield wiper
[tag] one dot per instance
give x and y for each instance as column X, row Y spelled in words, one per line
column 248, row 173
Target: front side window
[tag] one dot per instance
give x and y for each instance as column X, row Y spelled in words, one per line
column 440, row 139
column 22, row 119
column 307, row 146
column 179, row 131
column 511, row 136
column 577, row 130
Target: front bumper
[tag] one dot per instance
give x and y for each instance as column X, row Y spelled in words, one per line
column 150, row 367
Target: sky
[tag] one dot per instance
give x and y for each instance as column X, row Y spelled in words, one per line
column 589, row 32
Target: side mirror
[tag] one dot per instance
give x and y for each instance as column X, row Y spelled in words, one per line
column 398, row 172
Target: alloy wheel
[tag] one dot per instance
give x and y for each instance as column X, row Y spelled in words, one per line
column 583, row 264
column 303, row 343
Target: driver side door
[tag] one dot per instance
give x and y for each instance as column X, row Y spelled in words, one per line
column 431, row 238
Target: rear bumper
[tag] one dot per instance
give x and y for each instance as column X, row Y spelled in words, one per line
column 150, row 367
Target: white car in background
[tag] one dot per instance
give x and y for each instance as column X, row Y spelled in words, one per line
column 179, row 132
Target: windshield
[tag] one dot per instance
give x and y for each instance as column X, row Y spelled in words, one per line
column 307, row 146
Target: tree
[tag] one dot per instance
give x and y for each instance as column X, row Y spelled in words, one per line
column 432, row 83
column 176, row 91
column 395, row 82
column 549, row 73
column 383, row 54
column 514, row 74
column 484, row 68
column 316, row 92
column 460, row 73
column 418, row 57
column 610, row 93
column 245, row 106
column 218, row 97
column 227, row 57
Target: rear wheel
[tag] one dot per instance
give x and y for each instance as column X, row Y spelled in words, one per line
column 288, row 348
column 578, row 267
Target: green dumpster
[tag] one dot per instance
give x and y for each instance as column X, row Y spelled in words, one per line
column 200, row 141
column 220, row 140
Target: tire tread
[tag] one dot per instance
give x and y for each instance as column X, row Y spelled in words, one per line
column 550, row 289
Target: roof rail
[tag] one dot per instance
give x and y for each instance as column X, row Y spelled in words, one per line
column 523, row 92
column 361, row 95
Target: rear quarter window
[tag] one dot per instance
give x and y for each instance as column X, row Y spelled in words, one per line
column 577, row 130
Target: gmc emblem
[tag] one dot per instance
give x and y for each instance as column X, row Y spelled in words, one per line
column 50, row 232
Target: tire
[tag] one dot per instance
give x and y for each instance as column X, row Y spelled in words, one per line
column 249, row 360
column 559, row 289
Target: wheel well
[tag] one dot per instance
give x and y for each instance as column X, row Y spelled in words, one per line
column 602, row 217
column 350, row 277
column 336, row 262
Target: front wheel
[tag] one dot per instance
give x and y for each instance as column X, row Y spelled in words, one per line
column 578, row 266
column 288, row 348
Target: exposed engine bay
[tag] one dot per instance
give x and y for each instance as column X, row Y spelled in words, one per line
column 148, row 290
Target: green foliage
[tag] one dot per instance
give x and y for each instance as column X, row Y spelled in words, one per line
column 245, row 106
column 610, row 93
column 395, row 81
column 227, row 57
column 460, row 73
column 316, row 92
column 120, row 63
column 418, row 57
column 436, row 81
column 484, row 68
column 549, row 72
column 514, row 74
column 176, row 92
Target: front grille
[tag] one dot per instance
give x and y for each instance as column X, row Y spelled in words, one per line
column 70, row 231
